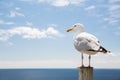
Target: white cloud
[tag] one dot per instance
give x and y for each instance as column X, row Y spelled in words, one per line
column 114, row 1
column 52, row 31
column 15, row 14
column 3, row 35
column 6, row 23
column 8, row 4
column 29, row 23
column 59, row 3
column 52, row 25
column 28, row 33
column 114, row 14
column 26, row 0
column 10, row 44
column 92, row 7
column 114, row 7
column 108, row 11
column 114, row 54
column 92, row 11
column 111, row 20
column 62, row 3
column 77, row 2
column 17, row 8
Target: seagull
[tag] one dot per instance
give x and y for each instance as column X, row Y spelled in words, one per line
column 85, row 42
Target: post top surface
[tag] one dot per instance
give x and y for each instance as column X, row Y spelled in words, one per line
column 85, row 67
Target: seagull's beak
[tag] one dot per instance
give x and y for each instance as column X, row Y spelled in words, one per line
column 70, row 29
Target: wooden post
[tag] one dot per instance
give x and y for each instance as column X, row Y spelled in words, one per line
column 85, row 73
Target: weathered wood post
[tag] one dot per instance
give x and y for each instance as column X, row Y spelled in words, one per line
column 85, row 73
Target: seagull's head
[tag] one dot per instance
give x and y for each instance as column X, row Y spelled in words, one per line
column 76, row 28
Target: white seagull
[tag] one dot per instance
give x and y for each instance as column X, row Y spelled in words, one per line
column 85, row 42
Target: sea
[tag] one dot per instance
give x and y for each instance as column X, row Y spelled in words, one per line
column 56, row 74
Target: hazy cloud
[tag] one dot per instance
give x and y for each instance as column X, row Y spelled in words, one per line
column 6, row 23
column 15, row 13
column 29, row 23
column 114, row 7
column 104, row 61
column 99, row 61
column 17, row 8
column 113, row 13
column 114, row 1
column 29, row 33
column 92, row 7
column 38, row 64
column 3, row 35
column 27, row 0
column 117, row 33
column 110, row 14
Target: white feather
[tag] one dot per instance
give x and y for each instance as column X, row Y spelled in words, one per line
column 84, row 41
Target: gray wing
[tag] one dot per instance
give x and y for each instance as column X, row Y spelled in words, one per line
column 85, row 41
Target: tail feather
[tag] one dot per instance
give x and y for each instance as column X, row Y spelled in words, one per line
column 102, row 49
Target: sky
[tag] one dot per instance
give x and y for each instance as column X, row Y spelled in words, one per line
column 33, row 32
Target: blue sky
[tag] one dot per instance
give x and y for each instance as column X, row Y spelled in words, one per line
column 33, row 32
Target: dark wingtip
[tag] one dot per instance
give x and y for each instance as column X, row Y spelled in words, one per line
column 106, row 52
column 103, row 50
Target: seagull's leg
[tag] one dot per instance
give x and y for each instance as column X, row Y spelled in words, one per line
column 89, row 60
column 82, row 59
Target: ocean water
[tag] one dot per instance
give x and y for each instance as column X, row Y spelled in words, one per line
column 55, row 74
